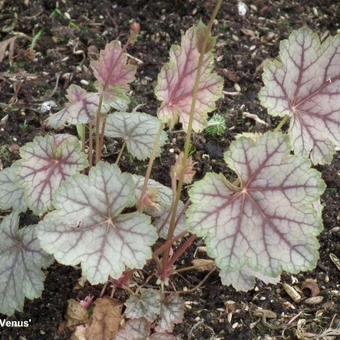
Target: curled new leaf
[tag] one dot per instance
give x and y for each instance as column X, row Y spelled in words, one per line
column 147, row 305
column 80, row 109
column 88, row 226
column 113, row 73
column 157, row 198
column 305, row 85
column 177, row 78
column 11, row 194
column 21, row 260
column 46, row 163
column 269, row 223
column 138, row 130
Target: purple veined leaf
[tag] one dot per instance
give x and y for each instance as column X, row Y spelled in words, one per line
column 176, row 82
column 267, row 225
column 138, row 130
column 113, row 73
column 304, row 84
column 134, row 329
column 21, row 260
column 157, row 199
column 172, row 312
column 146, row 305
column 88, row 226
column 162, row 221
column 80, row 109
column 11, row 193
column 45, row 164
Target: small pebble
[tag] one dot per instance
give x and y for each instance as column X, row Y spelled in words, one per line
column 314, row 300
column 47, row 106
column 242, row 8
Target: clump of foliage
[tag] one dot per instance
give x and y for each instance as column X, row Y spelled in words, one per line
column 265, row 222
column 216, row 126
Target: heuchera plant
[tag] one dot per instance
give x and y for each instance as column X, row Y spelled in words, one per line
column 264, row 222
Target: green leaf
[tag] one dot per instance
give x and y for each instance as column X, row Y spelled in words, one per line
column 138, row 130
column 266, row 225
column 45, row 164
column 21, row 260
column 146, row 305
column 176, row 81
column 88, row 226
column 11, row 194
column 304, row 84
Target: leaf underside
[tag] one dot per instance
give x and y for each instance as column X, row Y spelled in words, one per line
column 88, row 227
column 138, row 130
column 45, row 164
column 304, row 84
column 270, row 223
column 21, row 260
column 176, row 83
column 11, row 194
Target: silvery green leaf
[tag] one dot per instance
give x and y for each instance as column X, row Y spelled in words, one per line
column 45, row 164
column 176, row 81
column 81, row 108
column 172, row 312
column 270, row 222
column 138, row 130
column 88, row 226
column 134, row 329
column 21, row 260
column 146, row 305
column 11, row 194
column 304, row 84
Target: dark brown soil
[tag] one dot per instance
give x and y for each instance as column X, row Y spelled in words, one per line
column 63, row 52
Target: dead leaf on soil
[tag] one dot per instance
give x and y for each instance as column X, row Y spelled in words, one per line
column 75, row 314
column 79, row 333
column 7, row 44
column 105, row 320
column 203, row 265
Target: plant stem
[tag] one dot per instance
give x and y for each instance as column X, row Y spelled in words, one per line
column 102, row 134
column 120, row 153
column 90, row 145
column 282, row 123
column 98, row 116
column 189, row 132
column 150, row 164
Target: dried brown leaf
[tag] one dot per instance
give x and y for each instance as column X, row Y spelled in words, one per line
column 105, row 320
column 75, row 314
column 5, row 45
column 203, row 264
